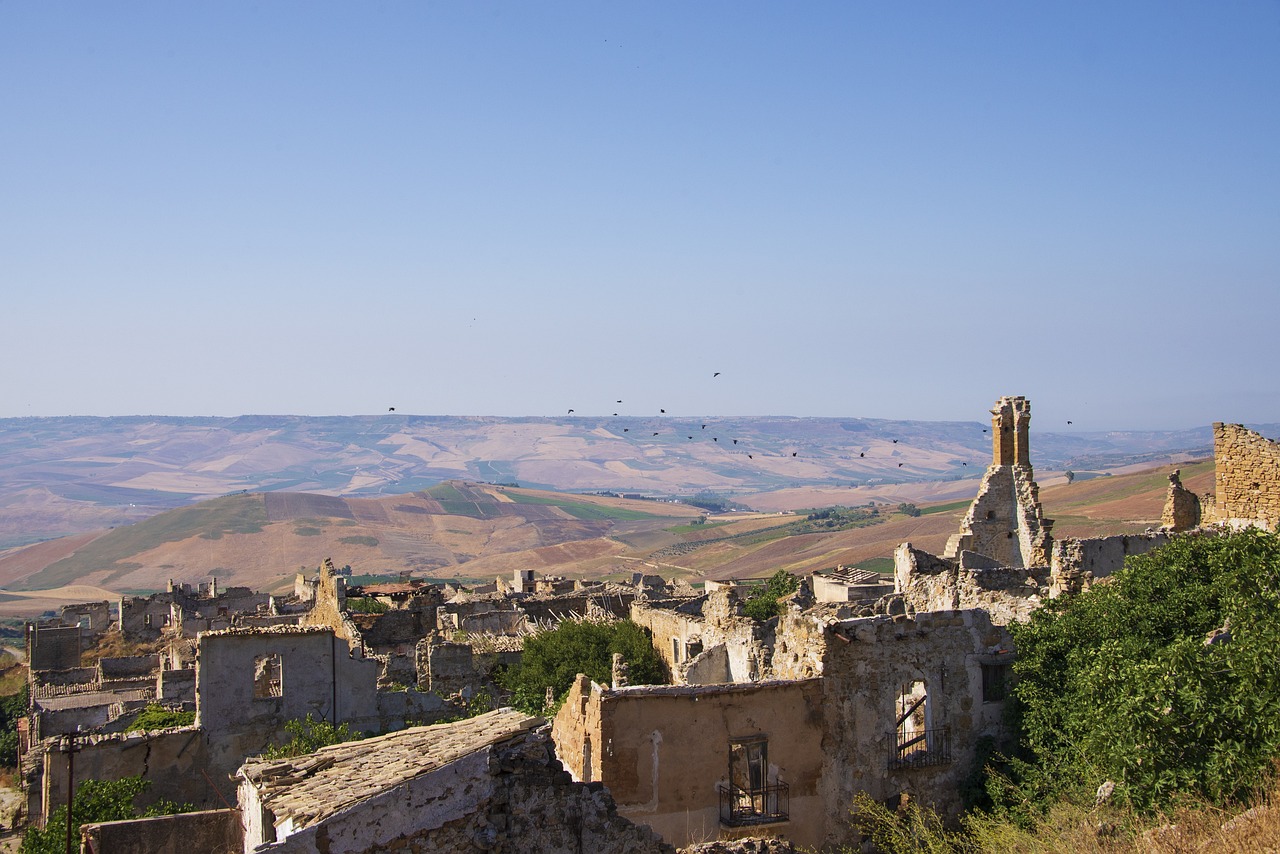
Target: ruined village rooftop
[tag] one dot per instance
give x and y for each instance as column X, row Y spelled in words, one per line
column 308, row 789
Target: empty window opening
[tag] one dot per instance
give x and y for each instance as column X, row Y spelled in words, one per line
column 675, row 650
column 268, row 677
column 916, row 742
column 750, row 798
column 991, row 514
column 995, row 682
column 146, row 620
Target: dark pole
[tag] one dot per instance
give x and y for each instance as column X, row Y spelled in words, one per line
column 70, row 747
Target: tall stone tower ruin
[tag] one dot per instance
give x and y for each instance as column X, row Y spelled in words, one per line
column 1006, row 522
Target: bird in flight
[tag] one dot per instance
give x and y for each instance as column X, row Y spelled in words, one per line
column 655, row 434
column 895, row 441
column 662, row 410
column 716, row 374
column 626, row 429
column 570, row 411
column 899, row 465
column 704, row 426
column 750, row 457
column 735, row 441
column 1068, row 422
column 619, row 401
column 393, row 409
column 715, row 438
column 690, row 437
column 793, row 453
column 862, row 454
column 964, row 464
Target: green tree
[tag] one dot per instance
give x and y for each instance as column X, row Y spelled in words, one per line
column 1164, row 681
column 908, row 509
column 553, row 659
column 95, row 800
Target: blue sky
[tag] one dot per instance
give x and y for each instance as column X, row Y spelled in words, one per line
column 848, row 209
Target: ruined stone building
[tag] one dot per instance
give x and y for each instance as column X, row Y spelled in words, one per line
column 247, row 684
column 1005, row 522
column 1004, row 559
column 487, row 784
column 887, row 705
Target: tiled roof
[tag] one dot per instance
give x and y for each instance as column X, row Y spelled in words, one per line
column 310, row 788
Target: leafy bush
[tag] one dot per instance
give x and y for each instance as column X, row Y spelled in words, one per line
column 95, row 800
column 158, row 717
column 11, row 708
column 1164, row 680
column 908, row 509
column 309, row 735
column 553, row 659
column 764, row 603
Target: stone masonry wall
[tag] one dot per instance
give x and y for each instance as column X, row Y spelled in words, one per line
column 1077, row 562
column 1005, row 521
column 1247, row 477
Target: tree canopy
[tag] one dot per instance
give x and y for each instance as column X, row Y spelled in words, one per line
column 553, row 659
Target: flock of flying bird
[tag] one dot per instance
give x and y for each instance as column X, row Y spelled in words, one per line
column 717, row 438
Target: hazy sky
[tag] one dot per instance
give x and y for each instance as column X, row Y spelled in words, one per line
column 897, row 210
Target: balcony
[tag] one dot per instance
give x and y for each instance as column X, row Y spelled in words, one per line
column 765, row 805
column 920, row 748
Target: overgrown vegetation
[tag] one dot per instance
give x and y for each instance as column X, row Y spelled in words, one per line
column 12, row 707
column 366, row 605
column 309, row 735
column 553, row 659
column 1164, row 683
column 156, row 716
column 836, row 518
column 764, row 601
column 95, row 801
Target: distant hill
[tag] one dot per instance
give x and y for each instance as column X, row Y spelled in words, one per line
column 61, row 476
column 471, row 531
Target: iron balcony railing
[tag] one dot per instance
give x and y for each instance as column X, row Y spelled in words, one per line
column 754, row 806
column 920, row 748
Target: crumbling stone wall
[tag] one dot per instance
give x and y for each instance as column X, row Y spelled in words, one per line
column 318, row 676
column 1181, row 506
column 171, row 760
column 1246, row 477
column 686, row 631
column 1005, row 521
column 663, row 750
column 1077, row 562
column 931, row 583
column 868, row 663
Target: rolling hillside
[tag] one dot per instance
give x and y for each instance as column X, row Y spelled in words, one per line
column 467, row 530
column 61, row 476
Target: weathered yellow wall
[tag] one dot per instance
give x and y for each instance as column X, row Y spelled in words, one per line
column 1247, row 476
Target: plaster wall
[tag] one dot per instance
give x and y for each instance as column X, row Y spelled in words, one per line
column 662, row 750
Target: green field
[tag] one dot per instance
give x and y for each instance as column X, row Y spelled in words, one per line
column 231, row 514
column 581, row 510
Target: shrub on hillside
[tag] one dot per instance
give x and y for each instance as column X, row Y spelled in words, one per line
column 1164, row 681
